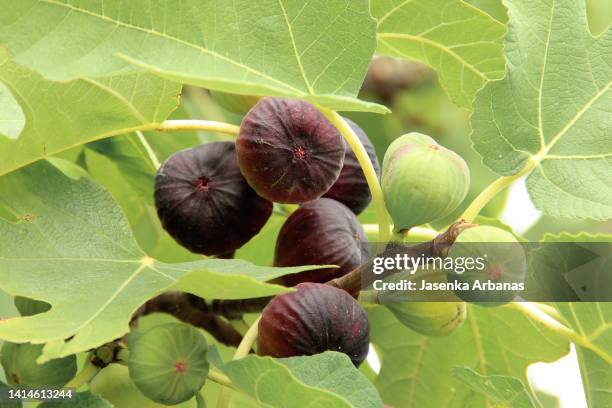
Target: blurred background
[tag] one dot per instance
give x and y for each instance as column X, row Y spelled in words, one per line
column 412, row 92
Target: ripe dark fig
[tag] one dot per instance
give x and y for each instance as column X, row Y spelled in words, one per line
column 288, row 151
column 314, row 319
column 351, row 188
column 321, row 232
column 205, row 203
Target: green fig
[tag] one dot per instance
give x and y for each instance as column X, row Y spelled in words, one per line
column 422, row 181
column 504, row 265
column 435, row 319
column 235, row 103
column 21, row 369
column 439, row 315
column 168, row 363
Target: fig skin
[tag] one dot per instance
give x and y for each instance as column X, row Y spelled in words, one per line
column 422, row 181
column 204, row 202
column 433, row 319
column 321, row 232
column 351, row 188
column 314, row 319
column 288, row 151
column 506, row 262
column 21, row 369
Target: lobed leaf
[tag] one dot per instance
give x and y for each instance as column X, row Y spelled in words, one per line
column 61, row 115
column 463, row 44
column 316, row 50
column 551, row 114
column 324, row 380
column 417, row 371
column 12, row 119
column 71, row 247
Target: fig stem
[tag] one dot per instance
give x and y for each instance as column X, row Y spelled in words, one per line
column 243, row 350
column 218, row 377
column 536, row 314
column 152, row 156
column 193, row 124
column 87, row 373
column 384, row 225
column 486, row 195
column 200, row 400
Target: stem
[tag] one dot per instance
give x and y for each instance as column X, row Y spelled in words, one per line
column 535, row 313
column 220, row 378
column 86, row 374
column 152, row 156
column 193, row 124
column 492, row 189
column 200, row 400
column 243, row 350
column 384, row 232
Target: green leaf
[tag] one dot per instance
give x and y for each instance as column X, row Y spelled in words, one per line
column 4, row 392
column 63, row 115
column 508, row 391
column 317, row 50
column 593, row 322
column 460, row 42
column 12, row 119
column 79, row 400
column 73, row 249
column 417, row 371
column 551, row 113
column 324, row 380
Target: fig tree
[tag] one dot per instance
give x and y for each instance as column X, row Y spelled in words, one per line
column 168, row 363
column 204, row 202
column 311, row 320
column 504, row 265
column 21, row 369
column 288, row 151
column 235, row 103
column 321, row 232
column 422, row 181
column 351, row 188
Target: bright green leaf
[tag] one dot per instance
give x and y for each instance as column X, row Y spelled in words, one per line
column 508, row 391
column 12, row 119
column 417, row 371
column 63, row 115
column 463, row 44
column 553, row 110
column 324, row 380
column 317, row 50
column 72, row 248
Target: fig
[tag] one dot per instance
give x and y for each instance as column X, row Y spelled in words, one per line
column 504, row 265
column 30, row 307
column 422, row 181
column 311, row 320
column 435, row 319
column 168, row 363
column 21, row 369
column 235, row 103
column 288, row 151
column 351, row 188
column 204, row 202
column 320, row 232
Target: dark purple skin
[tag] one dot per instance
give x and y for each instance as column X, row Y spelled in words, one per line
column 314, row 319
column 205, row 203
column 351, row 188
column 321, row 232
column 288, row 151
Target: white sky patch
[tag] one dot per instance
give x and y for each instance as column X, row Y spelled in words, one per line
column 519, row 212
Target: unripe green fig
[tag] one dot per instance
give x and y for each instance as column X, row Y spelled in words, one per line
column 435, row 319
column 21, row 369
column 504, row 265
column 235, row 103
column 422, row 181
column 168, row 363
